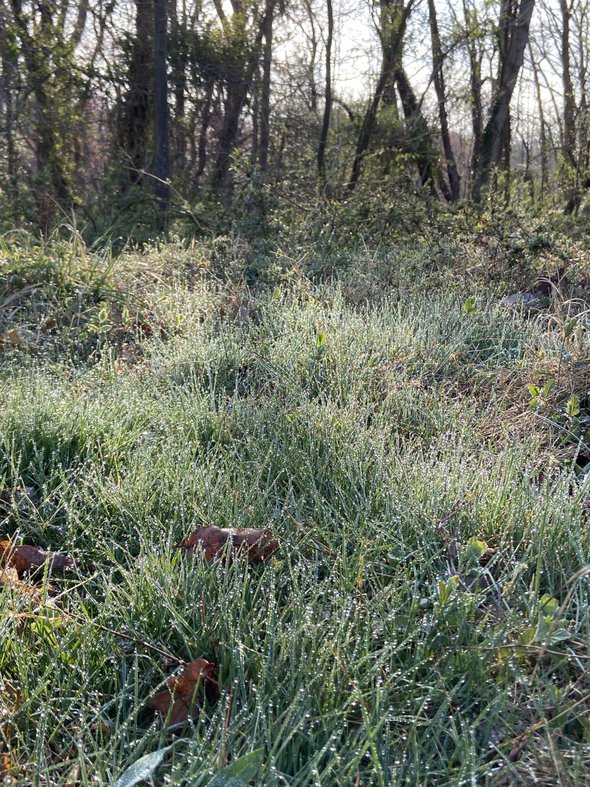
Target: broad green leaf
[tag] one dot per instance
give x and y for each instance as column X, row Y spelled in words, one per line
column 469, row 306
column 549, row 605
column 528, row 636
column 559, row 635
column 475, row 549
column 240, row 772
column 542, row 629
column 572, row 407
column 569, row 327
column 321, row 340
column 142, row 769
column 548, row 387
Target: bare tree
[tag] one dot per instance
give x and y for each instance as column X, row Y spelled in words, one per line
column 439, row 86
column 393, row 20
column 515, row 27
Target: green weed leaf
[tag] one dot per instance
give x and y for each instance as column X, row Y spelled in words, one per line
column 240, row 772
column 474, row 550
column 569, row 328
column 572, row 407
column 469, row 306
column 142, row 769
column 549, row 605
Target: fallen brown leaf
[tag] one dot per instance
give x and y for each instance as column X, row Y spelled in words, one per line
column 9, row 578
column 256, row 542
column 181, row 698
column 5, row 765
column 28, row 559
column 11, row 338
column 48, row 324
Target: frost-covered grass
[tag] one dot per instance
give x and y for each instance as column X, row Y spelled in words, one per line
column 402, row 634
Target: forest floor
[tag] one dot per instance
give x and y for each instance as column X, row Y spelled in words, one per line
column 415, row 441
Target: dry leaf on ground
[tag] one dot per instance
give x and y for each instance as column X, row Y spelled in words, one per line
column 11, row 338
column 182, row 696
column 9, row 578
column 5, row 766
column 28, row 559
column 256, row 543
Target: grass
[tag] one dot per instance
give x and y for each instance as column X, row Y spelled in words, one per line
column 380, row 437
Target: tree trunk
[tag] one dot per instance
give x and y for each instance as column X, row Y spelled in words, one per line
column 506, row 161
column 475, row 84
column 418, row 128
column 138, row 102
column 265, row 91
column 48, row 143
column 8, row 85
column 572, row 170
column 439, row 86
column 394, row 19
column 313, row 91
column 238, row 84
column 161, row 153
column 493, row 138
column 237, row 90
column 325, row 127
column 569, row 102
column 204, row 130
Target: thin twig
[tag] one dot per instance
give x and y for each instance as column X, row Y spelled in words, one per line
column 136, row 640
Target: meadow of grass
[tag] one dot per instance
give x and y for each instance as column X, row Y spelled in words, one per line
column 425, row 620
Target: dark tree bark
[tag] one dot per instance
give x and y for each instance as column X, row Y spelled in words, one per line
column 78, row 31
column 568, row 144
column 137, row 111
column 313, row 49
column 161, row 153
column 493, row 138
column 506, row 158
column 583, row 130
column 237, row 87
column 328, row 100
column 439, row 86
column 8, row 87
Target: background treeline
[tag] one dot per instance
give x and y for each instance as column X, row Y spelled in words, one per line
column 153, row 114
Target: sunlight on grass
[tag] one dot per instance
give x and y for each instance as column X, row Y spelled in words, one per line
column 399, row 635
